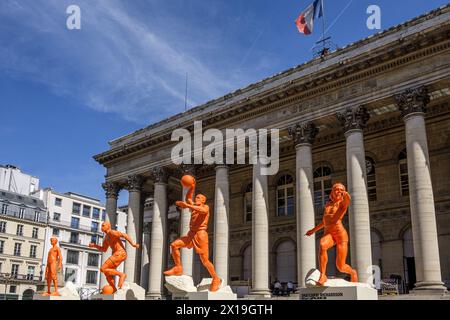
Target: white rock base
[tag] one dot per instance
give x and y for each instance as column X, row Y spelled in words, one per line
column 68, row 292
column 183, row 288
column 129, row 291
column 338, row 293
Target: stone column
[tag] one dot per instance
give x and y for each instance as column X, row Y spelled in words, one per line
column 112, row 194
column 412, row 104
column 134, row 228
column 145, row 260
column 221, row 227
column 187, row 258
column 260, row 234
column 304, row 135
column 354, row 120
column 158, row 242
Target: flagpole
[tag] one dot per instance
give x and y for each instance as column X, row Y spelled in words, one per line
column 323, row 24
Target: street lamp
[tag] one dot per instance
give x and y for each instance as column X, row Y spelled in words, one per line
column 7, row 277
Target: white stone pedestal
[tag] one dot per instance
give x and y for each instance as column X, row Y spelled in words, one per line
column 68, row 292
column 183, row 288
column 129, row 291
column 338, row 293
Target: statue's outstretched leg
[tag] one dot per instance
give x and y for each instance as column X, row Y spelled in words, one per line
column 341, row 257
column 326, row 243
column 177, row 270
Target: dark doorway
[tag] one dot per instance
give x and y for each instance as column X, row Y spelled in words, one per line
column 410, row 272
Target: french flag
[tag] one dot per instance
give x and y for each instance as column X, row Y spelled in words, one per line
column 305, row 21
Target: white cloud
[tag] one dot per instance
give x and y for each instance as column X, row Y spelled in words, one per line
column 119, row 62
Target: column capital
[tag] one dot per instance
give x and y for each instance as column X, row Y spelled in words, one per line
column 111, row 189
column 188, row 169
column 134, row 182
column 147, row 227
column 413, row 100
column 354, row 118
column 160, row 174
column 304, row 132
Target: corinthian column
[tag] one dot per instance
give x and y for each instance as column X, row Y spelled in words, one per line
column 112, row 193
column 145, row 256
column 354, row 120
column 221, row 228
column 304, row 135
column 260, row 234
column 158, row 242
column 412, row 104
column 185, row 218
column 134, row 228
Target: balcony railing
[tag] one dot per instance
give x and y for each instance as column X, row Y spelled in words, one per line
column 30, row 216
column 14, row 277
column 79, row 226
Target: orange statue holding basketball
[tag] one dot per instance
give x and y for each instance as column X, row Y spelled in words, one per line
column 197, row 236
column 113, row 240
column 334, row 233
column 54, row 263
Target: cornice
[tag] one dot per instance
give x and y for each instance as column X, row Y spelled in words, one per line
column 291, row 94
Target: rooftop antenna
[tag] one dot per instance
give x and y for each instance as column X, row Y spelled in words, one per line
column 186, row 93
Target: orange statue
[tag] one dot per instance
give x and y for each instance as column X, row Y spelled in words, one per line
column 113, row 240
column 54, row 263
column 334, row 233
column 197, row 236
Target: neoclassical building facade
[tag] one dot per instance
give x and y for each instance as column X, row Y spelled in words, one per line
column 374, row 115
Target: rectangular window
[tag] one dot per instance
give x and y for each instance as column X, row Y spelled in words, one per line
column 74, row 237
column 91, row 277
column 4, row 208
column 56, row 216
column 30, row 273
column 94, row 226
column 21, row 212
column 72, row 256
column 92, row 260
column 58, row 202
column 14, row 270
column 2, row 245
column 13, row 289
column 55, row 232
column 17, row 249
column 2, row 226
column 33, row 250
column 76, row 208
column 37, row 215
column 71, row 275
column 95, row 213
column 86, row 211
column 103, row 214
column 75, row 223
column 35, row 233
column 19, row 230
column 94, row 239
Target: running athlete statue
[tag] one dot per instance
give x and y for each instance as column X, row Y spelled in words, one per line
column 113, row 240
column 54, row 263
column 334, row 233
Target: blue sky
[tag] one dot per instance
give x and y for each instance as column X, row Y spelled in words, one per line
column 65, row 93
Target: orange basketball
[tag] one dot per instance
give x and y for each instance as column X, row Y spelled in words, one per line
column 107, row 289
column 188, row 181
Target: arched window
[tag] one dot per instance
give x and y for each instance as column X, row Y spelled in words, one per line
column 248, row 203
column 322, row 186
column 371, row 179
column 285, row 196
column 403, row 173
column 286, row 264
column 247, row 263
